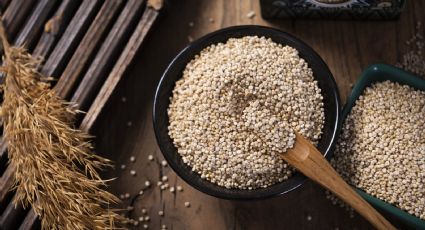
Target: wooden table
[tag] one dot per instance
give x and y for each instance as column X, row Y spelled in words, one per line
column 125, row 126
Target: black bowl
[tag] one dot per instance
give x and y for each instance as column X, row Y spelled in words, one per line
column 174, row 72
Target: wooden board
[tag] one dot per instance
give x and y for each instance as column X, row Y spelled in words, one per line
column 125, row 125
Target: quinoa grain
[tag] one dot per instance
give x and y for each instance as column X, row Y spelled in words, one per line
column 382, row 147
column 236, row 108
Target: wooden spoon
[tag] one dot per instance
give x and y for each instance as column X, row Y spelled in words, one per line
column 308, row 160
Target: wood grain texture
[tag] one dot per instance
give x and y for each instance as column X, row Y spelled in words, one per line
column 4, row 4
column 133, row 10
column 30, row 219
column 120, row 68
column 87, row 48
column 6, row 182
column 11, row 216
column 107, row 54
column 15, row 15
column 346, row 46
column 3, row 147
column 55, row 27
column 35, row 24
column 309, row 161
column 71, row 37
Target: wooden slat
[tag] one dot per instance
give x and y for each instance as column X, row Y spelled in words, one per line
column 81, row 20
column 15, row 16
column 120, row 67
column 11, row 216
column 123, row 62
column 87, row 48
column 6, row 182
column 55, row 27
column 29, row 220
column 109, row 51
column 71, row 37
column 4, row 4
column 35, row 23
column 3, row 146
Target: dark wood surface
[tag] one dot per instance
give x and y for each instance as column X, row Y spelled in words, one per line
column 125, row 125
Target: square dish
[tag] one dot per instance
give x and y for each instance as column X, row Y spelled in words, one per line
column 379, row 73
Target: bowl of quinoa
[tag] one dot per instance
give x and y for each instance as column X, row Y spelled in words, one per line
column 231, row 101
column 381, row 148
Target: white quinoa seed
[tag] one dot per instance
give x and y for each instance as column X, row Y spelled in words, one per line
column 150, row 157
column 145, row 226
column 132, row 159
column 250, row 14
column 161, row 213
column 122, row 166
column 141, row 219
column 413, row 60
column 136, row 223
column 147, row 183
column 236, row 108
column 382, row 146
column 187, row 204
column 172, row 189
column 147, row 218
column 179, row 188
column 164, row 163
column 122, row 196
column 144, row 211
column 133, row 172
column 141, row 192
column 127, row 195
column 164, row 178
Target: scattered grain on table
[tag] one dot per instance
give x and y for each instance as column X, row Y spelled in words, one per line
column 414, row 59
column 250, row 14
column 133, row 172
column 132, row 159
column 150, row 157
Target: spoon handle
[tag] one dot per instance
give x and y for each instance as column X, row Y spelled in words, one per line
column 308, row 160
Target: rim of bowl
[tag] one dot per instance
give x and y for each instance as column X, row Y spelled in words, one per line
column 185, row 172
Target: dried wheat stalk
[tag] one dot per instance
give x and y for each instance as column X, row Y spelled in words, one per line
column 55, row 165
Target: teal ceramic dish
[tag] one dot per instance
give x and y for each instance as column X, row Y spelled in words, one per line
column 379, row 73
